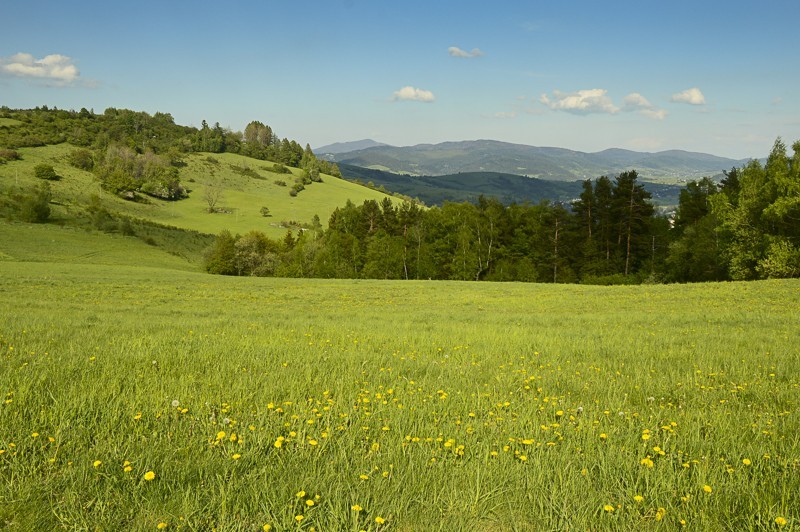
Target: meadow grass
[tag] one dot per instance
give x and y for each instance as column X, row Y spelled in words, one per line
column 370, row 405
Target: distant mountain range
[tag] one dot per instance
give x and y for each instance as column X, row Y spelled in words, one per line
column 557, row 164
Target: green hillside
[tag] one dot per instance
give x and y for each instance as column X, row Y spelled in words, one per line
column 246, row 185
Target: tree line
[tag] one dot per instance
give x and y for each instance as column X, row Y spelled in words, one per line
column 745, row 227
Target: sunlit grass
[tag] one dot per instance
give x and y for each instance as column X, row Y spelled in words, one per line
column 348, row 405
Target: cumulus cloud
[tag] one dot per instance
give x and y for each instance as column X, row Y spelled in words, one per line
column 691, row 96
column 56, row 69
column 455, row 51
column 635, row 102
column 582, row 102
column 413, row 94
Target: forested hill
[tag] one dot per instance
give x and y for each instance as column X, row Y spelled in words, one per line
column 470, row 186
column 449, row 158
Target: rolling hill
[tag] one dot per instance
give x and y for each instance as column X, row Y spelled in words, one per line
column 556, row 164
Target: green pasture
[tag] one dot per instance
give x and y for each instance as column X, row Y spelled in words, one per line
column 241, row 200
column 134, row 398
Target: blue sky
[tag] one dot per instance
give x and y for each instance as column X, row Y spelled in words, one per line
column 717, row 76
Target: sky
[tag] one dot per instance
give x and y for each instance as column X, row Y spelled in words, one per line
column 719, row 77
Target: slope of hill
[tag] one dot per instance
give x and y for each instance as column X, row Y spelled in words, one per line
column 468, row 186
column 542, row 162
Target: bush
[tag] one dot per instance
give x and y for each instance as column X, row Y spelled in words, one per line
column 280, row 182
column 265, row 211
column 81, row 159
column 279, row 168
column 8, row 155
column 35, row 208
column 45, row 171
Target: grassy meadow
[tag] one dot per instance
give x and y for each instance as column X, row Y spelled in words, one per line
column 143, row 398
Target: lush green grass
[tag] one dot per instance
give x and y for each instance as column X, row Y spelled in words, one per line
column 9, row 122
column 242, row 196
column 48, row 243
column 432, row 405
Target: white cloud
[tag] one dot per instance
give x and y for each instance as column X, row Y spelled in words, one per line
column 691, row 96
column 638, row 103
column 581, row 102
column 55, row 68
column 455, row 51
column 414, row 94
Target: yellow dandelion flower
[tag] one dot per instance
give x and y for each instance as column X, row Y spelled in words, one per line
column 780, row 521
column 220, row 435
column 608, row 508
column 707, row 488
column 638, row 498
column 299, row 518
column 356, row 508
column 660, row 513
column 150, row 475
column 746, row 461
column 363, row 477
column 162, row 525
column 310, row 503
column 647, row 462
column 236, row 456
column 97, row 463
column 300, row 494
column 266, row 528
column 380, row 520
column 603, row 436
column 127, row 469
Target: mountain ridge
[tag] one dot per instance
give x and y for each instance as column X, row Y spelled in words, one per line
column 552, row 163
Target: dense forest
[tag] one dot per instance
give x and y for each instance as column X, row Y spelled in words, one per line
column 745, row 227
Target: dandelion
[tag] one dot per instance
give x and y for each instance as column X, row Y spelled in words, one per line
column 266, row 528
column 603, row 436
column 707, row 488
column 150, row 475
column 236, row 456
column 780, row 521
column 660, row 513
column 647, row 462
column 363, row 477
column 299, row 518
column 356, row 508
column 300, row 494
column 380, row 520
column 746, row 461
column 97, row 463
column 175, row 403
column 638, row 498
column 608, row 508
column 310, row 503
column 220, row 435
column 162, row 525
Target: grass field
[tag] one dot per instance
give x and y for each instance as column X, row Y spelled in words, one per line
column 242, row 196
column 137, row 398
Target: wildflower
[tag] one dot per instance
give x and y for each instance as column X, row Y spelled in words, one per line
column 707, row 488
column 647, row 462
column 638, row 498
column 608, row 508
column 603, row 436
column 660, row 514
column 780, row 521
column 746, row 461
column 162, row 525
column 266, row 528
column 310, row 503
column 97, row 463
column 356, row 508
column 175, row 403
column 363, row 477
column 150, row 475
column 236, row 456
column 127, row 469
column 380, row 520
column 300, row 494
column 220, row 435
column 299, row 518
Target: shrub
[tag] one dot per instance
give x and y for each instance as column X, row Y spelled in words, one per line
column 45, row 171
column 8, row 155
column 35, row 208
column 280, row 182
column 81, row 159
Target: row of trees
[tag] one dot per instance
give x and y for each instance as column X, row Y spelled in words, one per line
column 746, row 227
